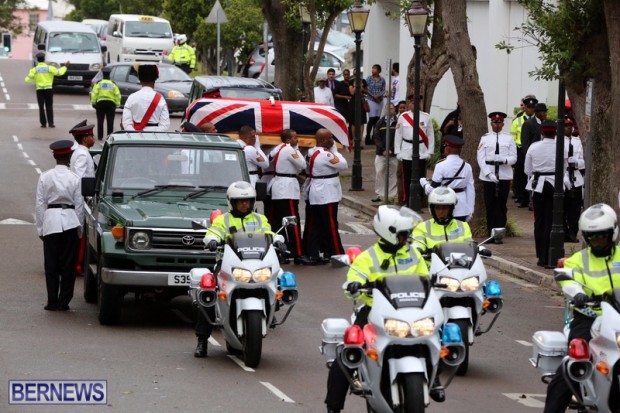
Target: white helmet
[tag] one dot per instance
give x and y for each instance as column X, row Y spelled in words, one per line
column 181, row 38
column 390, row 221
column 240, row 190
column 599, row 219
column 442, row 196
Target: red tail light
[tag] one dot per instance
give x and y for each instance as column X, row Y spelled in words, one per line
column 354, row 336
column 578, row 349
column 262, row 68
column 252, row 61
column 216, row 213
column 207, row 282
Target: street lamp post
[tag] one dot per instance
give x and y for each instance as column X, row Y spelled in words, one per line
column 358, row 16
column 556, row 238
column 416, row 19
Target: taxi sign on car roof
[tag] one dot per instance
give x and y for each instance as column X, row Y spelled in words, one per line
column 146, row 18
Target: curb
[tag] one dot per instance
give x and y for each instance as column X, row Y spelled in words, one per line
column 354, row 204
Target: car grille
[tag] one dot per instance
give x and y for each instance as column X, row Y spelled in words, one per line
column 172, row 241
column 149, row 52
column 78, row 66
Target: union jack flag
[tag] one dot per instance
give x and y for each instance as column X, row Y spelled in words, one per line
column 228, row 115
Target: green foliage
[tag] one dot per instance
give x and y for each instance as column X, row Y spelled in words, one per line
column 436, row 155
column 8, row 22
column 92, row 9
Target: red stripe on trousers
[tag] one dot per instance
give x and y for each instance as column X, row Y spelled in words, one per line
column 334, row 231
column 291, row 205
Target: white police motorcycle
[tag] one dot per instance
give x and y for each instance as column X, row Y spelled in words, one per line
column 396, row 356
column 248, row 287
column 465, row 293
column 594, row 366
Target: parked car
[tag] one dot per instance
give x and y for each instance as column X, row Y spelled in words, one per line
column 337, row 42
column 328, row 60
column 173, row 83
column 255, row 63
column 232, row 87
column 100, row 27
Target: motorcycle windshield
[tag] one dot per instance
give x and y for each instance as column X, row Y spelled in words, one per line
column 250, row 246
column 470, row 249
column 405, row 291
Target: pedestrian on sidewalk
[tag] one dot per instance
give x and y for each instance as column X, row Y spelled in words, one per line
column 43, row 76
column 385, row 163
column 376, row 92
column 59, row 216
column 105, row 98
column 497, row 153
column 540, row 168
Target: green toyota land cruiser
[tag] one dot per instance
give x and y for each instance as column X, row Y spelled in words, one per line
column 148, row 190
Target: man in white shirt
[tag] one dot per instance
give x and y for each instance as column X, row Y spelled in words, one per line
column 323, row 94
column 146, row 109
column 255, row 158
column 394, row 84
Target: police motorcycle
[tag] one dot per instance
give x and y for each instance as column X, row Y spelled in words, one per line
column 247, row 289
column 396, row 356
column 594, row 366
column 465, row 293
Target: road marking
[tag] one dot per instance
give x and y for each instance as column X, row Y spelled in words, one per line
column 37, row 170
column 214, row 342
column 14, row 221
column 524, row 343
column 527, row 399
column 33, row 106
column 277, row 392
column 25, row 155
column 20, row 146
column 83, row 107
column 360, row 228
column 2, row 106
column 31, row 162
column 240, row 363
column 15, row 139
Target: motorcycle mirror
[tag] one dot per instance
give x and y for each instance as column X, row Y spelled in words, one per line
column 563, row 274
column 339, row 261
column 199, row 224
column 498, row 233
column 485, row 252
column 289, row 221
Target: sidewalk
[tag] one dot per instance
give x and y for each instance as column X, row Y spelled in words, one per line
column 516, row 256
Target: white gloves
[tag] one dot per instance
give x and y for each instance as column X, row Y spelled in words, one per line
column 423, row 182
column 500, row 158
column 567, row 184
column 571, row 159
column 399, row 156
column 493, row 178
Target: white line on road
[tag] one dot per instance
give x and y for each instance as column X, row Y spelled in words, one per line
column 181, row 315
column 38, row 170
column 277, row 392
column 359, row 228
column 240, row 363
column 83, row 107
column 31, row 162
column 2, row 106
column 527, row 399
column 14, row 221
column 33, row 106
column 25, row 155
column 214, row 342
column 20, row 146
column 524, row 343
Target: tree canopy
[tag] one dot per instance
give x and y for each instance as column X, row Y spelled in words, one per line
column 7, row 20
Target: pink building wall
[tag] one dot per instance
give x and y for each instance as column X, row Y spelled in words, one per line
column 22, row 44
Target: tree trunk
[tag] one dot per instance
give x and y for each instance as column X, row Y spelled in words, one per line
column 473, row 110
column 288, row 56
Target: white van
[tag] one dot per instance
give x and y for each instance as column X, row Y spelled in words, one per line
column 65, row 41
column 135, row 38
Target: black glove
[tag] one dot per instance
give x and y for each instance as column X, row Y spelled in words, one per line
column 212, row 245
column 353, row 287
column 280, row 245
column 580, row 300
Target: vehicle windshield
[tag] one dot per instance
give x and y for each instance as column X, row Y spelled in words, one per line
column 169, row 73
column 405, row 290
column 137, row 169
column 71, row 42
column 469, row 249
column 157, row 30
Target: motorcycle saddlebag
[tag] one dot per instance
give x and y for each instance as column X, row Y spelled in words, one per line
column 333, row 334
column 549, row 348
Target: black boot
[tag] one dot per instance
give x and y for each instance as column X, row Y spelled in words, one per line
column 438, row 393
column 201, row 347
column 333, row 410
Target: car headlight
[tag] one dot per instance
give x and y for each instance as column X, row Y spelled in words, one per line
column 95, row 66
column 174, row 94
column 264, row 274
column 451, row 283
column 396, row 328
column 140, row 240
column 470, row 284
column 242, row 275
column 424, row 327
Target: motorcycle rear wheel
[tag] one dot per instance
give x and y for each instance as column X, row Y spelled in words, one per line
column 253, row 337
column 464, row 326
column 411, row 392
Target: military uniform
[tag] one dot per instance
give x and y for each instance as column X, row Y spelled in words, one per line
column 105, row 97
column 284, row 188
column 497, row 152
column 255, row 159
column 403, row 146
column 573, row 184
column 59, row 216
column 520, row 179
column 43, row 76
column 540, row 168
column 82, row 163
column 146, row 109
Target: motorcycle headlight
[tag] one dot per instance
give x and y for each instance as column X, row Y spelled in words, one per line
column 174, row 94
column 140, row 240
column 241, row 275
column 424, row 327
column 264, row 274
column 451, row 283
column 470, row 284
column 396, row 328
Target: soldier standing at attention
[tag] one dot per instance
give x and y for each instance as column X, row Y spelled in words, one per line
column 82, row 163
column 59, row 215
column 146, row 109
column 497, row 153
column 518, row 184
column 254, row 155
column 105, row 97
column 43, row 76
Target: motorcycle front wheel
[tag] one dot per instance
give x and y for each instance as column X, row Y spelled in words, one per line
column 464, row 326
column 411, row 392
column 252, row 338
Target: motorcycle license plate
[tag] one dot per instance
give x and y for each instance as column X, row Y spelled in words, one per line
column 74, row 77
column 178, row 279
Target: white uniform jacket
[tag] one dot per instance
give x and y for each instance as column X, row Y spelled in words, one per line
column 463, row 185
column 136, row 106
column 58, row 187
column 324, row 182
column 255, row 158
column 82, row 162
column 540, row 164
column 579, row 161
column 287, row 163
column 486, row 155
column 403, row 138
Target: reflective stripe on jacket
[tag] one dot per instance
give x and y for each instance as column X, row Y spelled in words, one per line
column 105, row 89
column 252, row 223
column 43, row 75
column 428, row 234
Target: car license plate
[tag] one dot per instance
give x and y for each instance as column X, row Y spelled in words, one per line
column 74, row 77
column 178, row 279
